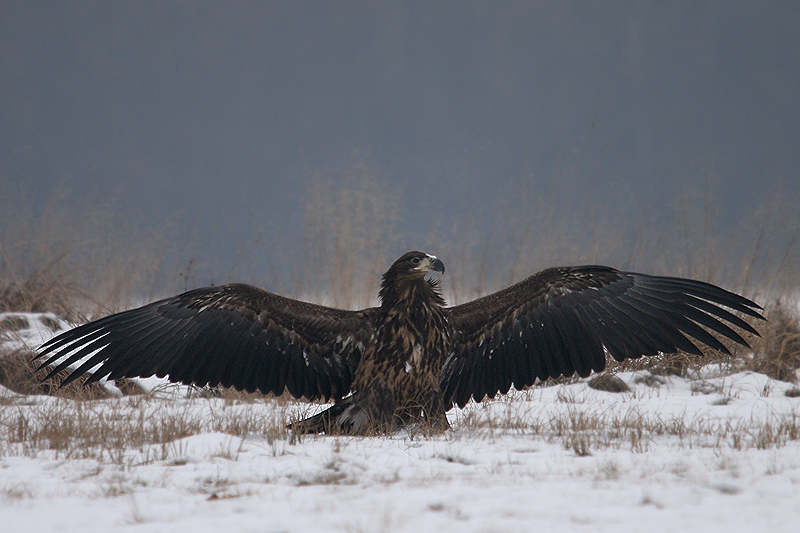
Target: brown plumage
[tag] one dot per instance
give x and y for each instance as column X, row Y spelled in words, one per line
column 410, row 359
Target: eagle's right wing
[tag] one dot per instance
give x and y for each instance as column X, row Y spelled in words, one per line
column 233, row 335
column 562, row 321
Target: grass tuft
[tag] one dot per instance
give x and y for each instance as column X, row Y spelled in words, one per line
column 779, row 353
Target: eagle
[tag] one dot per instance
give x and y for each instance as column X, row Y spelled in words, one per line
column 412, row 358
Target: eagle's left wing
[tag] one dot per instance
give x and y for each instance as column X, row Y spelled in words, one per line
column 562, row 320
column 232, row 335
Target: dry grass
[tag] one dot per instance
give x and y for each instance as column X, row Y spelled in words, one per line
column 349, row 222
column 112, row 430
column 18, row 373
column 778, row 354
column 38, row 293
column 75, row 258
column 137, row 430
column 581, row 428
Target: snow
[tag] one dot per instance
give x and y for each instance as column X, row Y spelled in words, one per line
column 711, row 452
column 29, row 329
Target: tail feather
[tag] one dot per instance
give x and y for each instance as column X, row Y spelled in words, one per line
column 345, row 417
column 356, row 415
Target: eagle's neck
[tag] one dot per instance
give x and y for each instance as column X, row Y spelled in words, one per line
column 409, row 291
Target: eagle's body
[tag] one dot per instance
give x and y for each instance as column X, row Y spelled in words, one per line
column 410, row 359
column 397, row 379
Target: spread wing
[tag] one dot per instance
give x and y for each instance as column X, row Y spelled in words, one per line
column 233, row 335
column 562, row 320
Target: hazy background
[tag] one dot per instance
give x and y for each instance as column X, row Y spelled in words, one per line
column 272, row 142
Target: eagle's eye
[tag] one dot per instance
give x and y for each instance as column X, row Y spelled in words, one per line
column 415, row 260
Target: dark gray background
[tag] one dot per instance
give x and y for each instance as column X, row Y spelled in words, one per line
column 216, row 116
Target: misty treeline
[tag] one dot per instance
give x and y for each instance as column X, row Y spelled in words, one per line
column 87, row 257
column 352, row 232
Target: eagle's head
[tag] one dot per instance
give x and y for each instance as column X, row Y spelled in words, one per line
column 410, row 277
column 418, row 263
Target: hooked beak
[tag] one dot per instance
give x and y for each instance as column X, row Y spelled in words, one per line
column 431, row 264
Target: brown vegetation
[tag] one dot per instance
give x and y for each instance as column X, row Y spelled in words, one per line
column 778, row 354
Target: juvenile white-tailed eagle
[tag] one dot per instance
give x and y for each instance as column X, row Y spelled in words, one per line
column 412, row 358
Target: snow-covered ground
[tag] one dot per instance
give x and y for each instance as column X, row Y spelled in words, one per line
column 716, row 452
